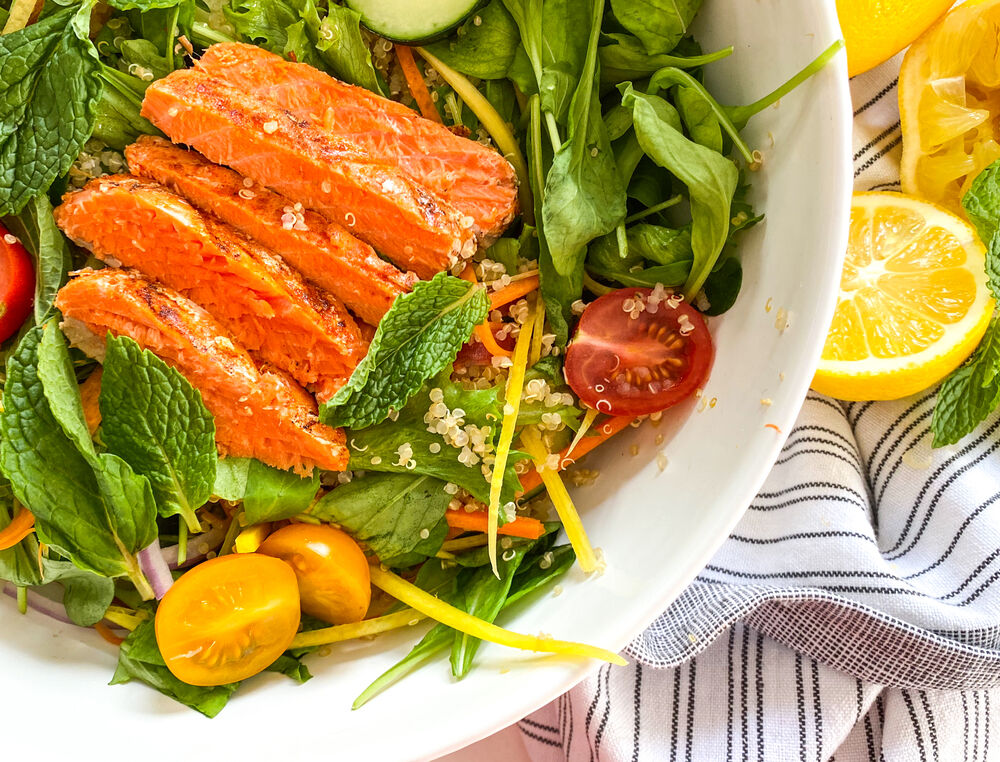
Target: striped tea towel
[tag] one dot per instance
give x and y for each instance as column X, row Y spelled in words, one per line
column 855, row 611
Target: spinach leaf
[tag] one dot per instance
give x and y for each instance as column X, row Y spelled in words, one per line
column 272, row 494
column 538, row 570
column 341, row 46
column 659, row 24
column 90, row 508
column 484, row 595
column 86, row 596
column 711, row 178
column 699, row 119
column 558, row 291
column 19, row 564
column 564, row 54
column 668, row 247
column 37, row 231
column 970, row 393
column 291, row 666
column 419, row 336
column 584, row 196
column 119, row 122
column 484, row 46
column 982, row 205
column 723, row 285
column 49, row 88
column 433, row 643
column 377, row 448
column 625, row 58
column 156, row 421
column 388, row 512
column 231, row 478
column 139, row 658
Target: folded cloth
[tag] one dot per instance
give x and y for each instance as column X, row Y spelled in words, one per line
column 853, row 611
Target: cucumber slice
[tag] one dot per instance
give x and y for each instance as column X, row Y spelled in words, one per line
column 413, row 21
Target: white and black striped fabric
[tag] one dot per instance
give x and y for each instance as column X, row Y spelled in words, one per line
column 854, row 614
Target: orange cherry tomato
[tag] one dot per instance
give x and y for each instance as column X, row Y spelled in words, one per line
column 334, row 582
column 228, row 619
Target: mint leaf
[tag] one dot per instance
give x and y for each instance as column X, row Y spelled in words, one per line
column 156, row 421
column 139, row 658
column 92, row 509
column 36, row 228
column 970, row 393
column 418, row 337
column 377, row 448
column 388, row 512
column 49, row 89
column 982, row 205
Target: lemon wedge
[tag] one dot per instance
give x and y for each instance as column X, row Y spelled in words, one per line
column 875, row 30
column 914, row 300
column 949, row 104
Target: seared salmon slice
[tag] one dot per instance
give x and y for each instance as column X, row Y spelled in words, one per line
column 252, row 292
column 324, row 252
column 365, row 192
column 259, row 411
column 473, row 178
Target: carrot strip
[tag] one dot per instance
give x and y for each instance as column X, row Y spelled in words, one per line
column 513, row 292
column 105, row 632
column 20, row 527
column 415, row 82
column 485, row 334
column 605, row 431
column 477, row 521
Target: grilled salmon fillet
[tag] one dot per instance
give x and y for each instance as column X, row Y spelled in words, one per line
column 473, row 178
column 259, row 411
column 259, row 298
column 365, row 192
column 324, row 252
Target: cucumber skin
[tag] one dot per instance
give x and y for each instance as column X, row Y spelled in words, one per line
column 413, row 41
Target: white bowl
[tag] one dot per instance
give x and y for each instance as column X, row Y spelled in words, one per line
column 656, row 529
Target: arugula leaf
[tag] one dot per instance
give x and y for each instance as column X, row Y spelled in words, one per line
column 93, row 510
column 156, row 421
column 36, row 228
column 376, row 448
column 982, row 205
column 970, row 393
column 659, row 24
column 49, row 88
column 419, row 336
column 139, row 658
column 485, row 49
column 272, row 494
column 341, row 46
column 388, row 512
column 670, row 248
column 710, row 177
column 723, row 285
column 262, row 22
column 584, row 196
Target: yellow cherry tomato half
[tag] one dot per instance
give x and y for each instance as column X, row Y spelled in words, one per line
column 228, row 618
column 334, row 583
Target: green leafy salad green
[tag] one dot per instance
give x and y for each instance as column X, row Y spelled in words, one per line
column 632, row 175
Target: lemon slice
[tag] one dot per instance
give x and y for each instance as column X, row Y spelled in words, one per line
column 949, row 104
column 914, row 300
column 875, row 30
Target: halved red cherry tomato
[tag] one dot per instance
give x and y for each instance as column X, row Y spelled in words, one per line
column 17, row 284
column 334, row 583
column 228, row 618
column 635, row 354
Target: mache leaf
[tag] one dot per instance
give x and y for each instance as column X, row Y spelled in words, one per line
column 156, row 421
column 49, row 89
column 419, row 336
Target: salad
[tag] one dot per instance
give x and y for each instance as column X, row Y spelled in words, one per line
column 311, row 308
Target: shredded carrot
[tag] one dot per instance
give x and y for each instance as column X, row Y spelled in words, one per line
column 415, row 82
column 20, row 527
column 105, row 632
column 772, row 426
column 513, row 292
column 485, row 334
column 478, row 521
column 605, row 431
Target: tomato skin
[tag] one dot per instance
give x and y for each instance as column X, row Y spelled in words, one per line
column 624, row 365
column 334, row 581
column 228, row 618
column 17, row 285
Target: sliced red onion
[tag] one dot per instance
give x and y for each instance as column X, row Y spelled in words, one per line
column 210, row 540
column 155, row 568
column 41, row 604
